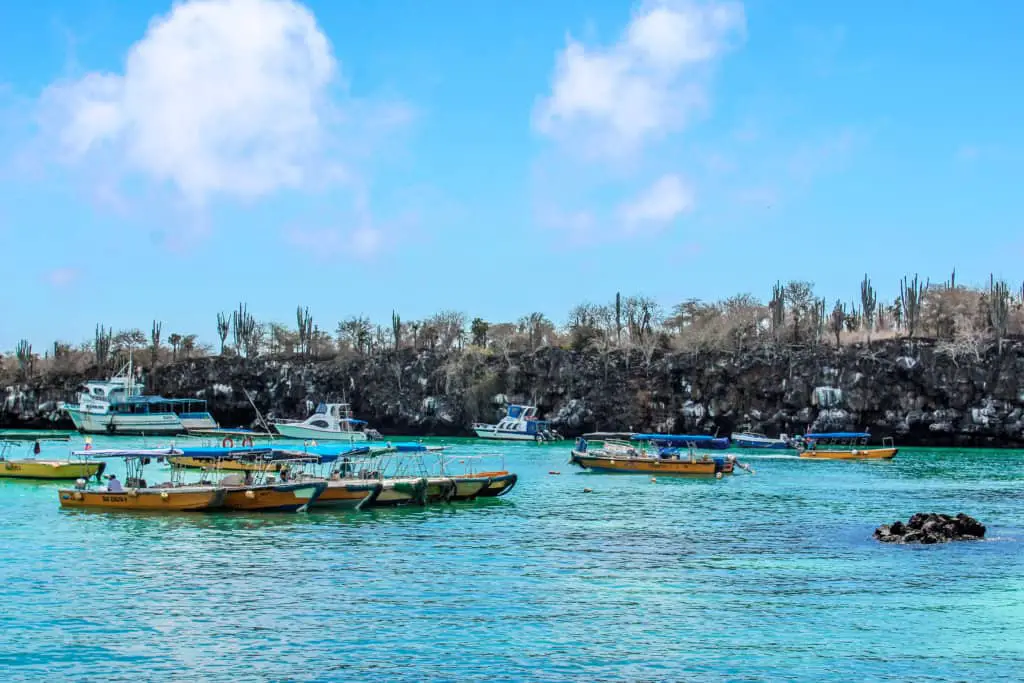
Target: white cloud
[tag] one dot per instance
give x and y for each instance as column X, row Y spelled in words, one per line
column 657, row 206
column 612, row 100
column 219, row 97
column 59, row 278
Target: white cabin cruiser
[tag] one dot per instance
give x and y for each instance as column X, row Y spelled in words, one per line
column 329, row 422
column 118, row 406
column 519, row 424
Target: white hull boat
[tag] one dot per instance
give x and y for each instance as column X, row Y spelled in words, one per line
column 330, row 422
column 519, row 424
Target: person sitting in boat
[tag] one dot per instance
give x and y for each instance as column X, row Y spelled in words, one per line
column 284, row 474
column 113, row 485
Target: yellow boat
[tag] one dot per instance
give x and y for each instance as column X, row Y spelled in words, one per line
column 76, row 467
column 845, row 446
column 624, row 457
column 170, row 499
column 227, row 464
column 136, row 494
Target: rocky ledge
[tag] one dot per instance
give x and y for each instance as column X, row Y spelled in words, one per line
column 931, row 527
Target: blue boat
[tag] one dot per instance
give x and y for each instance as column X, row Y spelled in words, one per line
column 760, row 441
column 718, row 443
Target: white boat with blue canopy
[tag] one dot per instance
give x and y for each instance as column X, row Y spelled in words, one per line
column 117, row 406
column 519, row 424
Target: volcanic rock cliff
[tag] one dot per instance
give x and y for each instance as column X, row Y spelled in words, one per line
column 921, row 392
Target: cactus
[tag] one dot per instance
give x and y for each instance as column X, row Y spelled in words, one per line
column 910, row 300
column 396, row 329
column 223, row 328
column 838, row 320
column 868, row 301
column 818, row 319
column 998, row 308
column 101, row 346
column 778, row 308
column 305, row 324
column 618, row 318
column 246, row 331
column 154, row 338
column 23, row 352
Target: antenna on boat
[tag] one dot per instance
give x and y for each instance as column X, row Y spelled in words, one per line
column 259, row 416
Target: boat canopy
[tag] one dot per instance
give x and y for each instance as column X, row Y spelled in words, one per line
column 837, row 435
column 128, row 453
column 411, row 447
column 216, row 452
column 161, row 399
column 353, row 421
column 676, row 438
column 325, row 453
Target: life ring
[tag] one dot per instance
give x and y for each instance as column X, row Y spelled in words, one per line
column 228, row 442
column 247, row 442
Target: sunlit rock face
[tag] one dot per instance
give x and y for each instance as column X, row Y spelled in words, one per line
column 915, row 392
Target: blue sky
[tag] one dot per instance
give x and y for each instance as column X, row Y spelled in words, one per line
column 493, row 157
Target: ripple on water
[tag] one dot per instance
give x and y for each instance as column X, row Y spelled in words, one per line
column 765, row 577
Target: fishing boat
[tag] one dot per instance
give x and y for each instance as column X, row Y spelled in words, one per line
column 117, row 406
column 519, row 424
column 135, row 494
column 760, row 441
column 633, row 457
column 329, row 422
column 78, row 466
column 845, row 446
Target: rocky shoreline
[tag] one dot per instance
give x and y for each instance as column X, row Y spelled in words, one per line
column 920, row 392
column 931, row 527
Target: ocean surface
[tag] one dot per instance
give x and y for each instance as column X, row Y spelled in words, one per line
column 767, row 577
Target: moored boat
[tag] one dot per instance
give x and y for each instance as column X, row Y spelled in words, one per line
column 627, row 457
column 845, row 446
column 519, row 424
column 135, row 494
column 761, row 442
column 78, row 466
column 329, row 422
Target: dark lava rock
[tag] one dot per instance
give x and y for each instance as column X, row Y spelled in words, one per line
column 930, row 527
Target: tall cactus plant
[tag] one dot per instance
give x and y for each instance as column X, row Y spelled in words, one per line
column 778, row 309
column 910, row 302
column 998, row 308
column 305, row 324
column 868, row 300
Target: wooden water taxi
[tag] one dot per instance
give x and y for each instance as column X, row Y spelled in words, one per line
column 272, row 496
column 135, row 494
column 845, row 446
column 33, row 467
column 634, row 458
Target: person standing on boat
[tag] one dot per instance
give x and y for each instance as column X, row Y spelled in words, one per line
column 113, row 485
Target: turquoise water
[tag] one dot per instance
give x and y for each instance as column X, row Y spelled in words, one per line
column 767, row 577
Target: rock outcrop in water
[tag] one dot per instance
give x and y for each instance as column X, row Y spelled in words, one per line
column 920, row 392
column 931, row 527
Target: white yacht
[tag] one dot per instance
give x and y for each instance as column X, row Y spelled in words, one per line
column 329, row 422
column 519, row 424
column 118, row 406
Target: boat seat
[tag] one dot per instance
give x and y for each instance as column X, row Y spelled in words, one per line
column 232, row 480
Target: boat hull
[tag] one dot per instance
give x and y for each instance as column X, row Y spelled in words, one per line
column 49, row 469
column 146, row 500
column 506, row 435
column 662, row 466
column 295, row 431
column 127, row 425
column 411, row 491
column 351, row 495
column 289, row 497
column 498, row 483
column 850, row 454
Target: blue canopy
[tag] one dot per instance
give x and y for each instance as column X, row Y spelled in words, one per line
column 325, row 453
column 352, row 420
column 837, row 435
column 684, row 438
